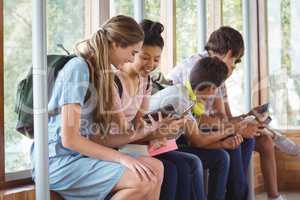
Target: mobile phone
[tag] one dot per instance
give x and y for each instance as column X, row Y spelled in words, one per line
column 187, row 110
column 263, row 108
column 165, row 111
column 268, row 120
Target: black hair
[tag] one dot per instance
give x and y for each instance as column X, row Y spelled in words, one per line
column 152, row 31
column 207, row 72
column 225, row 39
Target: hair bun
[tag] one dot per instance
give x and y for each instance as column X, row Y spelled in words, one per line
column 154, row 28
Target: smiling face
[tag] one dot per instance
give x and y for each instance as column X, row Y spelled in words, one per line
column 147, row 60
column 121, row 55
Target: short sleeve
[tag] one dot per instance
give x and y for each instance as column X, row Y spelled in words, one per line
column 176, row 74
column 74, row 82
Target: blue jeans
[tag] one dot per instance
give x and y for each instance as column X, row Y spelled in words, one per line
column 217, row 162
column 169, row 184
column 189, row 175
column 237, row 187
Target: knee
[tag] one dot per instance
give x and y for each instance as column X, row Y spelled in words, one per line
column 170, row 172
column 265, row 145
column 140, row 186
column 249, row 143
column 196, row 165
column 224, row 159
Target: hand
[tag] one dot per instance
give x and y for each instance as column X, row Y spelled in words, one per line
column 171, row 126
column 250, row 129
column 157, row 143
column 232, row 142
column 164, row 126
column 141, row 170
column 259, row 116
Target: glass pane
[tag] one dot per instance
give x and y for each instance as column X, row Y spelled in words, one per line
column 284, row 59
column 121, row 7
column 17, row 60
column 64, row 28
column 233, row 17
column 152, row 10
column 186, row 29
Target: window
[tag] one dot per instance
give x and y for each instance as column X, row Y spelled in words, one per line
column 121, row 7
column 152, row 10
column 233, row 17
column 17, row 59
column 186, row 29
column 283, row 20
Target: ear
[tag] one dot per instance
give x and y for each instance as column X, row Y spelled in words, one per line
column 228, row 55
column 114, row 45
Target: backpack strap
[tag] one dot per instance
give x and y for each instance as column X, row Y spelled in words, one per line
column 148, row 82
column 119, row 85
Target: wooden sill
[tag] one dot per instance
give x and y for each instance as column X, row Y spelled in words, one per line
column 23, row 193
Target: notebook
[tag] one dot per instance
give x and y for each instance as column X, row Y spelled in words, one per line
column 146, row 150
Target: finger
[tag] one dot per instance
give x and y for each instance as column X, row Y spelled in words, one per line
column 147, row 172
column 149, row 168
column 137, row 173
column 159, row 116
column 142, row 172
column 237, row 141
column 151, row 119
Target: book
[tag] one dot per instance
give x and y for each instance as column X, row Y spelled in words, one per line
column 147, row 150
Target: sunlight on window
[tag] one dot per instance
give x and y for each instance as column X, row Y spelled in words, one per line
column 17, row 60
column 284, row 58
column 233, row 16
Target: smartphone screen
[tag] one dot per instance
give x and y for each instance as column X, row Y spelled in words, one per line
column 187, row 110
column 165, row 111
column 263, row 108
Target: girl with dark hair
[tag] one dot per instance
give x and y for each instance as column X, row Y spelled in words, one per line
column 183, row 175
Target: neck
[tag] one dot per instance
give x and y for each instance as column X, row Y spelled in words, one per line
column 129, row 69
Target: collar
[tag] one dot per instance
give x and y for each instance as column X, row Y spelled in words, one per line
column 199, row 108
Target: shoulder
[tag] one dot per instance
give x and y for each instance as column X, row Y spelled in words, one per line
column 75, row 69
column 76, row 64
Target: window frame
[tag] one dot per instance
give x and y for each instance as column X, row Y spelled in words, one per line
column 19, row 178
column 263, row 69
column 2, row 144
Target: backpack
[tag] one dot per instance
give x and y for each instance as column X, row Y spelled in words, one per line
column 24, row 96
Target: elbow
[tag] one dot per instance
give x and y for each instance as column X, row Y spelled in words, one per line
column 68, row 142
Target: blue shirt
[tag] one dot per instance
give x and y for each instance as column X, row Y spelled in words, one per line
column 71, row 86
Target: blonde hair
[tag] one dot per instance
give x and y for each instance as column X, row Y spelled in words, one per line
column 122, row 30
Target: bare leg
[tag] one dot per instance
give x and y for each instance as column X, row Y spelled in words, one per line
column 158, row 168
column 265, row 147
column 130, row 187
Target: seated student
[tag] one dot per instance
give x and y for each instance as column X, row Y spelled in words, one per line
column 183, row 171
column 199, row 88
column 78, row 167
column 227, row 44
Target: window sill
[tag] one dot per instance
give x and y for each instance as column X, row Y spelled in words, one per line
column 13, row 176
column 23, row 192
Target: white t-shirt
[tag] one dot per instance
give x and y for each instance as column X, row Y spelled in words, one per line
column 181, row 72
